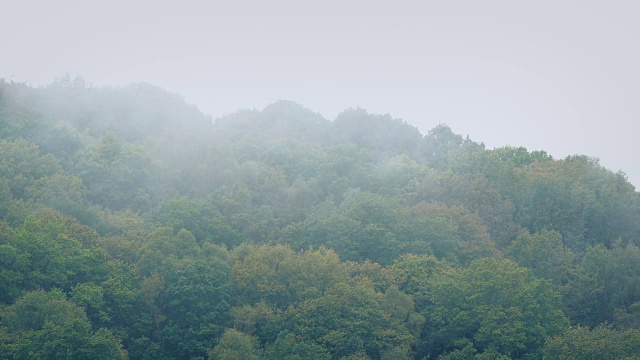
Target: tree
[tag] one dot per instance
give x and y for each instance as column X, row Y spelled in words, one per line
column 413, row 273
column 164, row 247
column 464, row 237
column 348, row 319
column 280, row 277
column 236, row 345
column 53, row 254
column 440, row 144
column 544, row 254
column 116, row 174
column 60, row 191
column 195, row 301
column 202, row 218
column 381, row 133
column 606, row 285
column 290, row 347
column 44, row 325
column 492, row 305
column 476, row 194
column 22, row 164
column 602, row 342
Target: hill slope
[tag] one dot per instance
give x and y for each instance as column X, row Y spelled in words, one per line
column 154, row 232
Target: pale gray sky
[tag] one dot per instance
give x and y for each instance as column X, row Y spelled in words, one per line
column 562, row 76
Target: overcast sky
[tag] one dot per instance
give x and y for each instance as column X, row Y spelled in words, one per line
column 561, row 76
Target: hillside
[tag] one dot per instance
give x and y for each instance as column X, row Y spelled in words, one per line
column 134, row 226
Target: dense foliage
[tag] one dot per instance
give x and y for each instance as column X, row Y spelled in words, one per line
column 131, row 225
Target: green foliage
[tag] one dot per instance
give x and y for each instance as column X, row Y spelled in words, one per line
column 586, row 203
column 607, row 282
column 236, row 345
column 413, row 275
column 465, row 236
column 187, row 291
column 195, row 301
column 495, row 305
column 402, row 352
column 376, row 132
column 519, row 156
column 16, row 117
column 127, row 214
column 280, row 277
column 202, row 218
column 49, row 254
column 544, row 254
column 290, row 347
column 115, row 173
column 475, row 193
column 47, row 326
column 601, row 342
column 91, row 298
column 21, row 164
column 311, row 295
column 366, row 226
column 163, row 247
column 348, row 319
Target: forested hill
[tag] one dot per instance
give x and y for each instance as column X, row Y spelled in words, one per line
column 132, row 225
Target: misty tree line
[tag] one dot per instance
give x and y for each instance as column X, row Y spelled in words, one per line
column 132, row 226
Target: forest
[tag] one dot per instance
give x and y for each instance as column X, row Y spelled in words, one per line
column 133, row 226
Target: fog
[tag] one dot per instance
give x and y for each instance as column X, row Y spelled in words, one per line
column 559, row 76
column 352, row 220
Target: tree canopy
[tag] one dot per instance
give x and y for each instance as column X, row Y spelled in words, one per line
column 134, row 226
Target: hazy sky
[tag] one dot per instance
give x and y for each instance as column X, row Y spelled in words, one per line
column 562, row 76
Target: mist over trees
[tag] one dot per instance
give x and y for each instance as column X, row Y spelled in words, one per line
column 134, row 226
